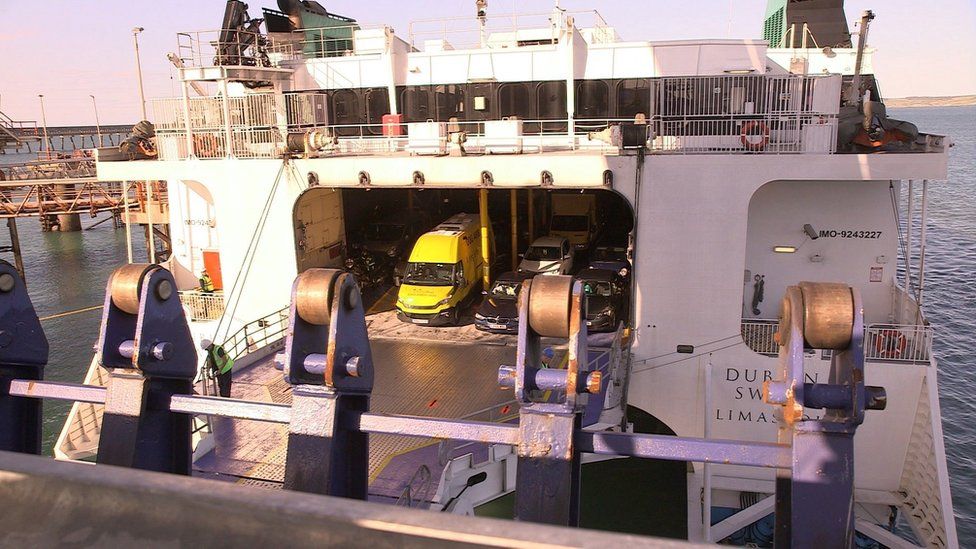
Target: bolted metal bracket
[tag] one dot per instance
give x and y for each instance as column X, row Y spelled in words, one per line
column 328, row 359
column 815, row 499
column 23, row 355
column 548, row 470
column 145, row 343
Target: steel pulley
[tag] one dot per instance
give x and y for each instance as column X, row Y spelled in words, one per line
column 550, row 305
column 313, row 295
column 125, row 284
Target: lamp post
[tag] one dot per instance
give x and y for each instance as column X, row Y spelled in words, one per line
column 98, row 127
column 142, row 94
column 47, row 146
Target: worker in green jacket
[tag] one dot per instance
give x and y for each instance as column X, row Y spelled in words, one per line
column 206, row 283
column 221, row 365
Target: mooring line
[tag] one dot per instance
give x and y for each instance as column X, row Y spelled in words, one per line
column 69, row 313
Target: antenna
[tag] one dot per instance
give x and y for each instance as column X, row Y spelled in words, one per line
column 482, row 6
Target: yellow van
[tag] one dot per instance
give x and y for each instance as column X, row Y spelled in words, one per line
column 443, row 273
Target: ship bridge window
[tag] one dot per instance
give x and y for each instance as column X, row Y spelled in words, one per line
column 633, row 97
column 480, row 105
column 346, row 111
column 513, row 100
column 377, row 104
column 416, row 104
column 449, row 102
column 592, row 99
column 551, row 105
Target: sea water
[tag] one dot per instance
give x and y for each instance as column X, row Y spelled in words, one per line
column 949, row 298
column 68, row 271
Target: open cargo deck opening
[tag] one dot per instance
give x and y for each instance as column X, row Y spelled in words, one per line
column 373, row 232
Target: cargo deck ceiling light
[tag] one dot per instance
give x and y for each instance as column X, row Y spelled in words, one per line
column 784, row 249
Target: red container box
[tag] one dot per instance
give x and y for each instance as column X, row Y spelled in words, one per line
column 392, row 125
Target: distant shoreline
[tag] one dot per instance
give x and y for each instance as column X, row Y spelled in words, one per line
column 928, row 101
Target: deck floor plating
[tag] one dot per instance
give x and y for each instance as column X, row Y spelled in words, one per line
column 419, row 378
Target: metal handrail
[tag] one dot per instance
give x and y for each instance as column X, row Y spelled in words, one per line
column 204, row 48
column 203, row 305
column 610, row 443
column 425, row 479
column 899, row 343
column 257, row 334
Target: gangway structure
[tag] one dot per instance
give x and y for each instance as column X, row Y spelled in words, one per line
column 19, row 135
column 16, row 133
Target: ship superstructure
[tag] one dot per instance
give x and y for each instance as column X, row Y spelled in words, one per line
column 730, row 168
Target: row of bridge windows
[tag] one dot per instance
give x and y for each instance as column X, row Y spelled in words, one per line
column 595, row 99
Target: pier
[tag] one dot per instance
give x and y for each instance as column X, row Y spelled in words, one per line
column 59, row 190
column 26, row 136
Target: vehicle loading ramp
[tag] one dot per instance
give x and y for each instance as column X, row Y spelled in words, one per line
column 420, row 378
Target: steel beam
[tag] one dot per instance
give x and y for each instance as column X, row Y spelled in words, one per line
column 225, row 407
column 56, row 390
column 548, row 470
column 726, row 452
column 753, row 454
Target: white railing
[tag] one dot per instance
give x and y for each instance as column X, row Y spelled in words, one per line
column 882, row 342
column 227, row 47
column 257, row 334
column 745, row 113
column 898, row 343
column 334, row 41
column 759, row 335
column 203, row 305
column 251, row 126
column 770, row 135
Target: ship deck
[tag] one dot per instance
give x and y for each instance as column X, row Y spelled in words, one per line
column 413, row 376
column 420, row 378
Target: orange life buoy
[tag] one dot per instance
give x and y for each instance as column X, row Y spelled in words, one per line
column 747, row 133
column 890, row 344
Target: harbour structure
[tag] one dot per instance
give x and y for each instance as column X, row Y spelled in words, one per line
column 743, row 170
column 20, row 135
column 59, row 190
column 14, row 132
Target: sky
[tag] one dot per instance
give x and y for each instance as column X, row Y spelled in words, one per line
column 68, row 50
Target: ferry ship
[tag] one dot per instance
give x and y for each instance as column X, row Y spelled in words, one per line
column 727, row 170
